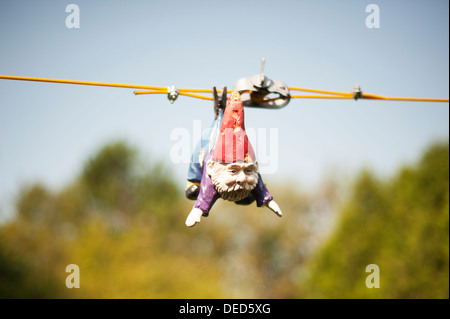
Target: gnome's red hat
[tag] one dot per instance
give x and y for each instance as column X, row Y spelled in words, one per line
column 232, row 143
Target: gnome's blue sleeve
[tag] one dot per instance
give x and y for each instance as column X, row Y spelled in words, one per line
column 261, row 193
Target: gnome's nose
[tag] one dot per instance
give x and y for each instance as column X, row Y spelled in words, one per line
column 240, row 178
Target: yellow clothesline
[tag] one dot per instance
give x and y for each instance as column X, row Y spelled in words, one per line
column 146, row 89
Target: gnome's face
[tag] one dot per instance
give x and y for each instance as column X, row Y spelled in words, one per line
column 232, row 167
column 233, row 181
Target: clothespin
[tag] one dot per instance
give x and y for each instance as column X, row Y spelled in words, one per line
column 220, row 102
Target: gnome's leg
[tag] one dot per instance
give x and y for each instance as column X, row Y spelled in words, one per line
column 194, row 175
column 203, row 147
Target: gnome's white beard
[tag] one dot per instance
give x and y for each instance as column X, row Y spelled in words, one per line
column 232, row 193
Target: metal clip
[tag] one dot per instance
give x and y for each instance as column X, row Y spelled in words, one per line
column 172, row 93
column 357, row 93
column 260, row 91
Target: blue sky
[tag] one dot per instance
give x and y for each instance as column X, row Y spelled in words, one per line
column 47, row 131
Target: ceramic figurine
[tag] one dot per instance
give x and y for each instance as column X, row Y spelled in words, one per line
column 224, row 164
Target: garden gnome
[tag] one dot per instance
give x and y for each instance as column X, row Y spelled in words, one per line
column 230, row 170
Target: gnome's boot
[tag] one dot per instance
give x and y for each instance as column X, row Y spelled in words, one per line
column 192, row 189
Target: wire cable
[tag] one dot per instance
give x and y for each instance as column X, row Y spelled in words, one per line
column 128, row 86
column 146, row 89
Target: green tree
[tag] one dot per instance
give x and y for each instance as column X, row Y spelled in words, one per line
column 121, row 220
column 402, row 225
column 118, row 221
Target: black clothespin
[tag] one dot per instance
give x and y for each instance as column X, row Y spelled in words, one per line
column 220, row 102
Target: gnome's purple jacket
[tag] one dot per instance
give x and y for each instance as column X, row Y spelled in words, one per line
column 208, row 193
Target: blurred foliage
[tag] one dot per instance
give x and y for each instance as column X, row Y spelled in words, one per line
column 122, row 222
column 401, row 225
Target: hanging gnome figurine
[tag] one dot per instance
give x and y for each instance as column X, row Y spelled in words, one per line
column 228, row 168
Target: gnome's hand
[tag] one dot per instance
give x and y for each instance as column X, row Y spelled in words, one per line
column 275, row 208
column 194, row 217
